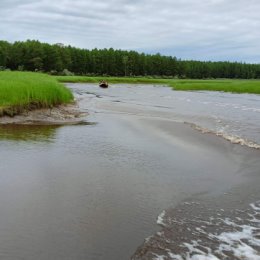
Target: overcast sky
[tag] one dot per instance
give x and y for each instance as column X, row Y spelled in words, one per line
column 187, row 29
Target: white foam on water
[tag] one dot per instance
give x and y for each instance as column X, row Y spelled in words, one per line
column 241, row 241
column 160, row 219
column 255, row 206
column 159, row 257
column 238, row 140
column 174, row 256
column 194, row 253
column 234, row 139
column 206, row 257
column 233, row 242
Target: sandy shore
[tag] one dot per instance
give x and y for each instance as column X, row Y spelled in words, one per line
column 61, row 115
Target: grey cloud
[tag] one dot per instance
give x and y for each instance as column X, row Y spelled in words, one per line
column 209, row 29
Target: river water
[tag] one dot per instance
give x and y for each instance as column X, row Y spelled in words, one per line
column 233, row 116
column 94, row 191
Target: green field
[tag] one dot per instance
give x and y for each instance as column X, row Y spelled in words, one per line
column 29, row 90
column 226, row 85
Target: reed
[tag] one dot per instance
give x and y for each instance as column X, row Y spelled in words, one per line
column 234, row 86
column 21, row 91
column 130, row 80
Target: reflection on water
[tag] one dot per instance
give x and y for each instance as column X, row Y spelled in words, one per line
column 41, row 133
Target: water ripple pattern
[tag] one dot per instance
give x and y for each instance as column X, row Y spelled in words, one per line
column 235, row 117
column 222, row 235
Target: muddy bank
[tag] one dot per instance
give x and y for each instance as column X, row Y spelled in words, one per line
column 61, row 115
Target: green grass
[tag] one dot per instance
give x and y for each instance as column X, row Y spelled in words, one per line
column 130, row 80
column 226, row 85
column 29, row 90
column 234, row 86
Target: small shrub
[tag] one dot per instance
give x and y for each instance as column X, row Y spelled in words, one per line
column 66, row 72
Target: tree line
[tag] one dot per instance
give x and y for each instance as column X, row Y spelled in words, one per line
column 59, row 59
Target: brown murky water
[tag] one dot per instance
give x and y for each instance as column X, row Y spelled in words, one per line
column 95, row 191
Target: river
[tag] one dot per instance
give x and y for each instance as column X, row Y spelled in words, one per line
column 95, row 191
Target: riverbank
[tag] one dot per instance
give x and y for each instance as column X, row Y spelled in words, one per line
column 26, row 91
column 225, row 85
column 61, row 115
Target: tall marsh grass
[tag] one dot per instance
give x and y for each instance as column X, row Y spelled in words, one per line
column 29, row 90
column 234, row 86
column 130, row 80
column 226, row 85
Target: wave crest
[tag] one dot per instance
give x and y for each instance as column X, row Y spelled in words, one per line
column 234, row 139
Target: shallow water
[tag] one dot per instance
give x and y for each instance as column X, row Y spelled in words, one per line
column 95, row 191
column 209, row 229
column 234, row 116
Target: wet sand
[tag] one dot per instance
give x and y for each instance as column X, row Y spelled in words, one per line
column 96, row 191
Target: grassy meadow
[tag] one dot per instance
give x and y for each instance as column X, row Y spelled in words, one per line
column 29, row 90
column 226, row 85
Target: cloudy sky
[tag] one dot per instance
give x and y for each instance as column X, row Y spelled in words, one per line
column 188, row 29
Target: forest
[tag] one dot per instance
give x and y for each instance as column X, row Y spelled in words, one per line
column 58, row 59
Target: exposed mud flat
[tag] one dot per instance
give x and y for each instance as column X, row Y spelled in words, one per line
column 61, row 115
